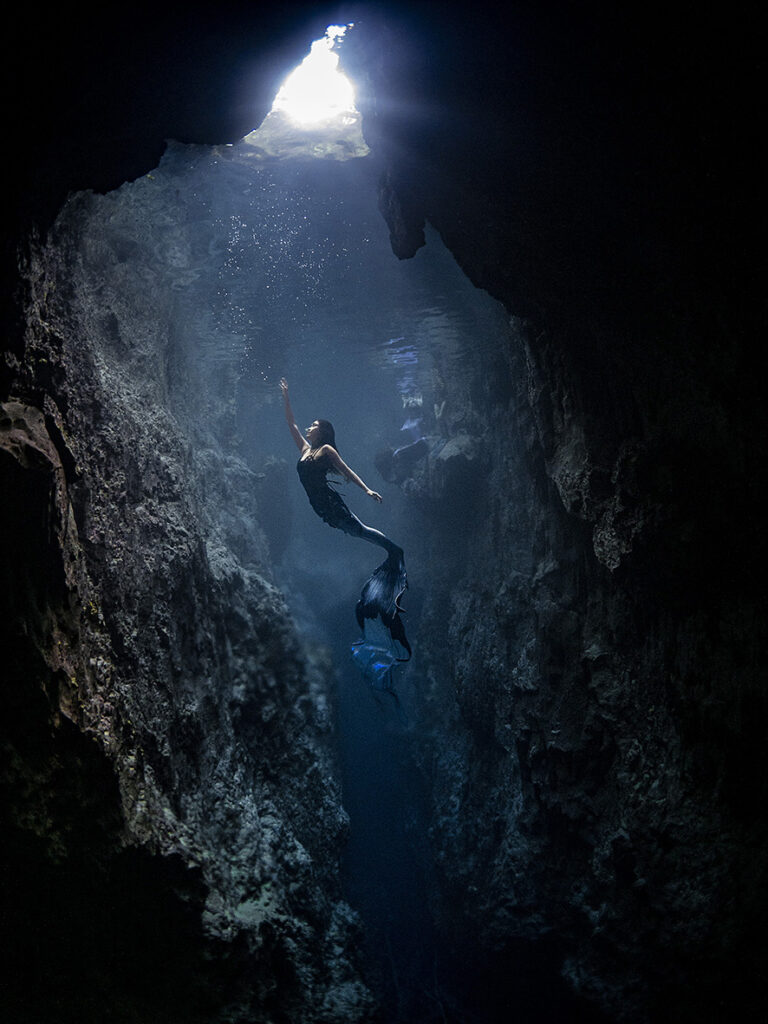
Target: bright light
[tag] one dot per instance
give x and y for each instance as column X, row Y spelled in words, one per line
column 314, row 115
column 316, row 91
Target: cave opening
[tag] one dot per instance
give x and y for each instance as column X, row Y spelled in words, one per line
column 316, row 91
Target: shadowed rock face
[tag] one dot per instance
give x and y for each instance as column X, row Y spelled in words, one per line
column 596, row 766
column 167, row 764
column 593, row 721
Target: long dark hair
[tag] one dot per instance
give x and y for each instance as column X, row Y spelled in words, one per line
column 327, row 434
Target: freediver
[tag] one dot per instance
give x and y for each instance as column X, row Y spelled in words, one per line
column 319, row 457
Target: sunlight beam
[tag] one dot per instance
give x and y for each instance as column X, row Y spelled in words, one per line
column 317, row 91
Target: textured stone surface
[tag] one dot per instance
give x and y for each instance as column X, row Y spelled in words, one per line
column 162, row 640
column 597, row 765
column 590, row 744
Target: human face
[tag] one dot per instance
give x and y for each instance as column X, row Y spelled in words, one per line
column 312, row 433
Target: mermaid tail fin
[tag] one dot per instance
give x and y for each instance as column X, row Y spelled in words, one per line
column 381, row 597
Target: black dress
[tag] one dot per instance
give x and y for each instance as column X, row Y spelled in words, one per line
column 382, row 591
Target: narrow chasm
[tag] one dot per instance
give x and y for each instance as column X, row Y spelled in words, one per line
column 211, row 667
column 213, row 810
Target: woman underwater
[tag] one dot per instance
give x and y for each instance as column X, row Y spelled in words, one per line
column 383, row 590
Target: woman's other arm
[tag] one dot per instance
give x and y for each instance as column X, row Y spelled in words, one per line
column 301, row 443
column 339, row 464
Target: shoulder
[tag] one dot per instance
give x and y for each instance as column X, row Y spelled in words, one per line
column 332, row 460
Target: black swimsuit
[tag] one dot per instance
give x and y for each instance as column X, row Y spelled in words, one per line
column 324, row 499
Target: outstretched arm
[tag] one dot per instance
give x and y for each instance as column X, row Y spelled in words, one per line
column 339, row 464
column 301, row 443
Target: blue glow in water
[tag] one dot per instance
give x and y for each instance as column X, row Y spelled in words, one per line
column 375, row 664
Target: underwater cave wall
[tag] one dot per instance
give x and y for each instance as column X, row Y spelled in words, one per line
column 175, row 734
column 591, row 810
column 594, row 645
column 589, row 718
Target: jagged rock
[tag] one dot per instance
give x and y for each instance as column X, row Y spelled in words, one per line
column 152, row 630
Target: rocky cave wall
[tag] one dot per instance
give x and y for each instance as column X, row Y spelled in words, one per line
column 597, row 756
column 155, row 663
column 595, row 697
column 593, row 754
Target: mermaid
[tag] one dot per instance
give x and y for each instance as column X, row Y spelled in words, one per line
column 382, row 591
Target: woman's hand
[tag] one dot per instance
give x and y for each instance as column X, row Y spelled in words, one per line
column 286, row 401
column 301, row 443
column 374, row 495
